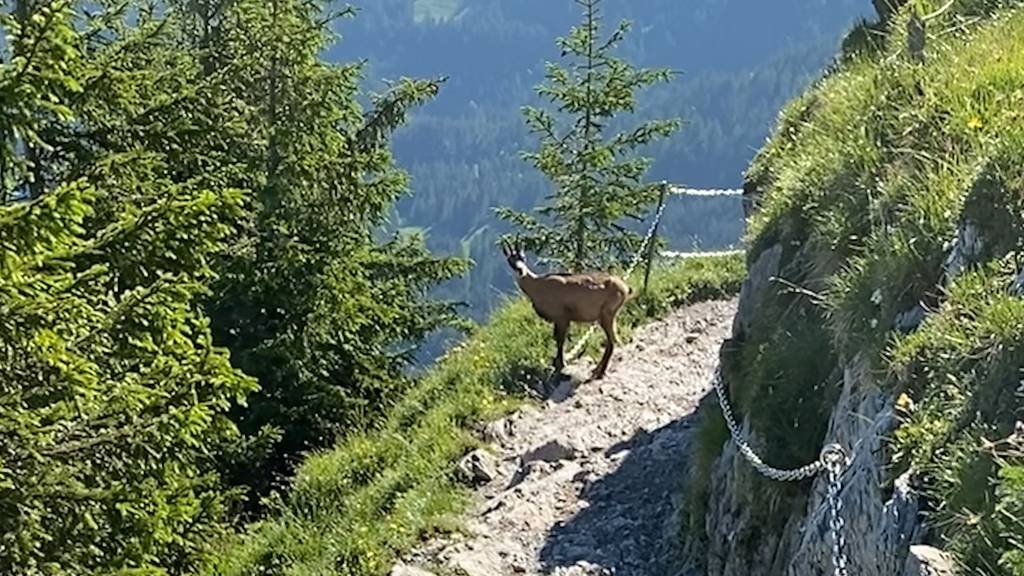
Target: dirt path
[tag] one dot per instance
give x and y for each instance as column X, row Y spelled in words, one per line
column 589, row 484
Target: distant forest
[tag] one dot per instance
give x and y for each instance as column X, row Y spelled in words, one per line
column 738, row 62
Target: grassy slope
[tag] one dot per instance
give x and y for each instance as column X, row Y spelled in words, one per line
column 866, row 181
column 352, row 509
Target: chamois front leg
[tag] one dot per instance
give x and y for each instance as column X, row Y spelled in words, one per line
column 608, row 325
column 561, row 332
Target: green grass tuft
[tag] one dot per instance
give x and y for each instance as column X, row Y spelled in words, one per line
column 711, row 435
column 964, row 367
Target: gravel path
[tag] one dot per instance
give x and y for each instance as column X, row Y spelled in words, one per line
column 589, row 484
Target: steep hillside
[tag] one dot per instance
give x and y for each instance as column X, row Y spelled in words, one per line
column 740, row 61
column 884, row 310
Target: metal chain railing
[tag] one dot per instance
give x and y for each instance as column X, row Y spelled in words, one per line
column 673, row 190
column 835, row 462
column 832, row 460
column 578, row 348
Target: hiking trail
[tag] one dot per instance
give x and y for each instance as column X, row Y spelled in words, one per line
column 590, row 482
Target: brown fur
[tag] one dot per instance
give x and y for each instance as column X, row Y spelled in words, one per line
column 564, row 298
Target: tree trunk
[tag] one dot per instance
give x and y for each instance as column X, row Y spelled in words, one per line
column 588, row 121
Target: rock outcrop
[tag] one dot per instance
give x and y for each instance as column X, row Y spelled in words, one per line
column 928, row 561
column 882, row 522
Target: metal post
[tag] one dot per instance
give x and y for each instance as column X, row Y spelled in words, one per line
column 652, row 245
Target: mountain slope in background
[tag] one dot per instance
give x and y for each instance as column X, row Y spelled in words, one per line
column 740, row 60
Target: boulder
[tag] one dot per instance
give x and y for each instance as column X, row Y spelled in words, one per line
column 928, row 561
column 478, row 467
column 477, row 563
column 755, row 286
column 499, row 432
column 552, row 451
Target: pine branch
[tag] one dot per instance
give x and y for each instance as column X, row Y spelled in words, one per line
column 391, row 109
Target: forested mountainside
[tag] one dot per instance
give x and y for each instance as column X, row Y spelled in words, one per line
column 740, row 60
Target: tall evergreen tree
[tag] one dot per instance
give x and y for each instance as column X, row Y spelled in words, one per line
column 161, row 161
column 317, row 306
column 597, row 176
column 113, row 399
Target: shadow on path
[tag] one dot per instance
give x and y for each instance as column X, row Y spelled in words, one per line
column 631, row 526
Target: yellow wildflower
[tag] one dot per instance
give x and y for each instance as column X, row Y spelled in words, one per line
column 904, row 404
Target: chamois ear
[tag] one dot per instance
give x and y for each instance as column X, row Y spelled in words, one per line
column 506, row 247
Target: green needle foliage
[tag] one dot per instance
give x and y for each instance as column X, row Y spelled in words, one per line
column 310, row 303
column 190, row 205
column 596, row 175
column 113, row 398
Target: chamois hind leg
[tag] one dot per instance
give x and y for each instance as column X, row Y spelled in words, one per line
column 608, row 325
column 561, row 331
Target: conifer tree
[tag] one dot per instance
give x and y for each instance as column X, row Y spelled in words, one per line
column 313, row 300
column 113, row 398
column 177, row 176
column 596, row 175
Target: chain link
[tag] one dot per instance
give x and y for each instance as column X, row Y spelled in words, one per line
column 835, row 461
column 832, row 460
column 739, row 437
column 578, row 348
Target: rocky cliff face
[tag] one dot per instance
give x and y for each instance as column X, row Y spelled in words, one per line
column 883, row 525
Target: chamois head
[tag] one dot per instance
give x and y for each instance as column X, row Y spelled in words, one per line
column 514, row 255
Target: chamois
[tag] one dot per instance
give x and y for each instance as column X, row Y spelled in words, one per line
column 561, row 298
